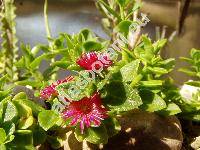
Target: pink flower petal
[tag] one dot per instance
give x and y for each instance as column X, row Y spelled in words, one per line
column 50, row 91
column 87, row 111
column 88, row 59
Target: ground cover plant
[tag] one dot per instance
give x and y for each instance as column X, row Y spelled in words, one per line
column 109, row 78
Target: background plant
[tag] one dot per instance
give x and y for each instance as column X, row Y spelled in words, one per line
column 190, row 103
column 9, row 49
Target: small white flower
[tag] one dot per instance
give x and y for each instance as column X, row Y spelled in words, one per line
column 187, row 91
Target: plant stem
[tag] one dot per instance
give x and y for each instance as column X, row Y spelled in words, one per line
column 46, row 19
column 48, row 32
column 122, row 12
column 134, row 36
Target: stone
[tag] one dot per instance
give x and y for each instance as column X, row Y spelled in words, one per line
column 71, row 143
column 196, row 143
column 143, row 130
column 140, row 131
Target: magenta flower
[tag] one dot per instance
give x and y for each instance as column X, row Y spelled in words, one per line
column 88, row 112
column 50, row 91
column 88, row 59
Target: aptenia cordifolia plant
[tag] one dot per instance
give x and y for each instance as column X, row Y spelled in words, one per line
column 109, row 79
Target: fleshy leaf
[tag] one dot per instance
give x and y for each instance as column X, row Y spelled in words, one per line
column 10, row 112
column 26, row 123
column 122, row 98
column 95, row 135
column 171, row 109
column 48, row 119
column 123, row 26
column 92, row 46
column 129, row 71
column 2, row 135
column 36, row 108
column 151, row 101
